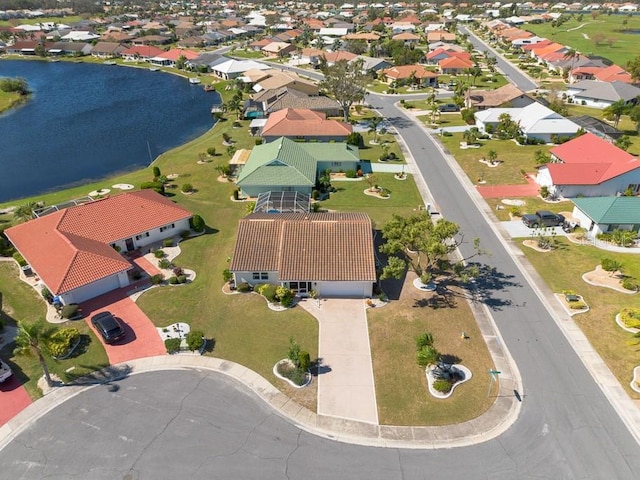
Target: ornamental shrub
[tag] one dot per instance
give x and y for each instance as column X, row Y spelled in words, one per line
column 610, row 265
column 173, row 280
column 195, row 340
column 177, row 271
column 157, row 279
column 304, row 360
column 424, row 339
column 630, row 317
column 61, row 341
column 167, row 242
column 197, row 223
column 186, row 188
column 46, row 294
column 227, row 276
column 157, row 186
column 269, row 292
column 350, row 174
column 164, row 263
column 442, row 385
column 20, row 259
column 172, row 345
column 244, row 287
column 355, row 138
column 427, row 355
column 577, row 305
column 158, row 254
column 156, row 172
column 182, row 279
column 69, row 311
column 293, row 352
column 629, row 283
column 211, row 151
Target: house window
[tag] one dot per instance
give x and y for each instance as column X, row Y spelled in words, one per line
column 142, row 235
column 633, row 188
column 260, row 275
column 167, row 227
column 335, row 164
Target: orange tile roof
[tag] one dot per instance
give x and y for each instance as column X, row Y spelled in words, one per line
column 71, row 248
column 613, row 73
column 455, row 62
column 176, row 53
column 404, row 71
column 291, row 122
column 292, row 243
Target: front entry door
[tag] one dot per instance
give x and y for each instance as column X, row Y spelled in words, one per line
column 301, row 288
column 129, row 243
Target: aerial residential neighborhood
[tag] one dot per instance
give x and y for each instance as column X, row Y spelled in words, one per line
column 294, row 239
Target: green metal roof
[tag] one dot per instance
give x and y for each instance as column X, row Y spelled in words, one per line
column 285, row 162
column 611, row 210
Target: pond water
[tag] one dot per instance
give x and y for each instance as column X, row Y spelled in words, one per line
column 86, row 121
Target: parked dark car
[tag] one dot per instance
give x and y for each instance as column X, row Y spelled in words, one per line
column 448, row 107
column 108, row 326
column 542, row 218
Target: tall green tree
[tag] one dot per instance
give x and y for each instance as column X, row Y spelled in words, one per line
column 633, row 67
column 24, row 212
column 32, row 340
column 345, row 81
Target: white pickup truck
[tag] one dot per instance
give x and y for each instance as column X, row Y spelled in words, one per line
column 5, row 371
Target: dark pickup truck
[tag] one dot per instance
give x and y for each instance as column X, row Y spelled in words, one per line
column 542, row 218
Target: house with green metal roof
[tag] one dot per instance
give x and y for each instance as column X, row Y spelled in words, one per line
column 606, row 214
column 287, row 166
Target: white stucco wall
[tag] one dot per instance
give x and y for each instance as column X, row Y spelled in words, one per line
column 344, row 289
column 155, row 235
column 242, row 277
column 95, row 289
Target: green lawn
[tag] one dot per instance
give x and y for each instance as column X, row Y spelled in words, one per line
column 9, row 100
column 514, row 159
column 246, row 54
column 598, row 324
column 581, row 39
column 20, row 302
column 69, row 20
column 532, row 204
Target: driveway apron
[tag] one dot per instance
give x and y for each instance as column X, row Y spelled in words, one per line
column 141, row 339
column 13, row 399
column 345, row 383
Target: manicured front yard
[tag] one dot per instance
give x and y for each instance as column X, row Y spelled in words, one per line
column 401, row 388
column 598, row 324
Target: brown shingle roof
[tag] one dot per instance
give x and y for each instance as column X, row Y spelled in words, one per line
column 307, row 246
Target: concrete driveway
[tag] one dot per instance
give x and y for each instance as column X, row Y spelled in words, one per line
column 517, row 229
column 345, row 382
column 141, row 339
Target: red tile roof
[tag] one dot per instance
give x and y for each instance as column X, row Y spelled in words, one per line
column 589, row 160
column 71, row 248
column 176, row 53
column 291, row 122
column 455, row 63
column 613, row 73
column 400, row 72
column 143, row 51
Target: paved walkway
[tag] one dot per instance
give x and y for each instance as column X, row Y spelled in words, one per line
column 530, row 189
column 346, row 388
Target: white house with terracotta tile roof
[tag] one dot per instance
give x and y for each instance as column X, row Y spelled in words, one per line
column 589, row 166
column 74, row 251
column 304, row 124
column 330, row 253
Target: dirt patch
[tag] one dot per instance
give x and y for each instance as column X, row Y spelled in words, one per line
column 602, row 278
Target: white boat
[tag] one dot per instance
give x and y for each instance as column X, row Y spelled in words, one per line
column 109, row 62
column 194, row 80
column 154, row 69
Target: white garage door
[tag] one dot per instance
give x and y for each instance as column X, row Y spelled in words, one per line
column 344, row 289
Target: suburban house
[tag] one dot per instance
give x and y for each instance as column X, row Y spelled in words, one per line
column 170, row 58
column 231, row 68
column 141, row 52
column 506, row 96
column 107, row 49
column 304, row 124
column 455, row 65
column 605, row 214
column 287, row 166
column 440, row 36
column 536, row 121
column 268, row 101
column 602, row 94
column 278, row 49
column 75, row 251
column 415, row 74
column 273, row 79
column 371, row 64
column 329, row 253
column 591, row 167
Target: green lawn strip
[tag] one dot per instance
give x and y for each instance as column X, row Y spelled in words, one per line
column 246, row 54
column 350, row 196
column 70, row 20
column 598, row 324
column 531, row 205
column 9, row 100
column 623, row 50
column 22, row 303
column 401, row 386
column 514, row 159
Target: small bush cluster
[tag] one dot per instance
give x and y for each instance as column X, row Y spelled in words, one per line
column 629, row 283
column 197, row 223
column 177, row 279
column 164, row 263
column 577, row 305
column 276, row 294
column 297, row 370
column 19, row 259
column 157, row 279
column 157, row 186
column 195, row 340
column 630, row 317
column 350, row 174
column 610, row 265
column 62, row 340
column 69, row 311
column 46, row 294
column 172, row 345
column 158, row 254
column 442, row 385
column 244, row 287
column 427, row 353
column 167, row 242
column 622, row 238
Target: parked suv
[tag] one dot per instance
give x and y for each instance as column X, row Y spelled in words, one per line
column 108, row 327
column 448, row 107
column 542, row 218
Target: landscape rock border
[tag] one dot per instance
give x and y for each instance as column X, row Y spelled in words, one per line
column 439, row 395
column 624, row 327
column 308, row 375
column 571, row 312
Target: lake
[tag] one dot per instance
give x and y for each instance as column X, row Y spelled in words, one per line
column 84, row 122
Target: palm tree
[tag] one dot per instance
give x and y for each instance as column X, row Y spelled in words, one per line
column 32, row 340
column 24, row 212
column 615, row 111
column 573, row 55
column 373, row 127
column 235, row 105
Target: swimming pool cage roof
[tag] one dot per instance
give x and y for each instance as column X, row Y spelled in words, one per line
column 281, row 202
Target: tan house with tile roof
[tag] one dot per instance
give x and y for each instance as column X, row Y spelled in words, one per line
column 74, row 251
column 330, row 253
column 506, row 96
column 304, row 124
